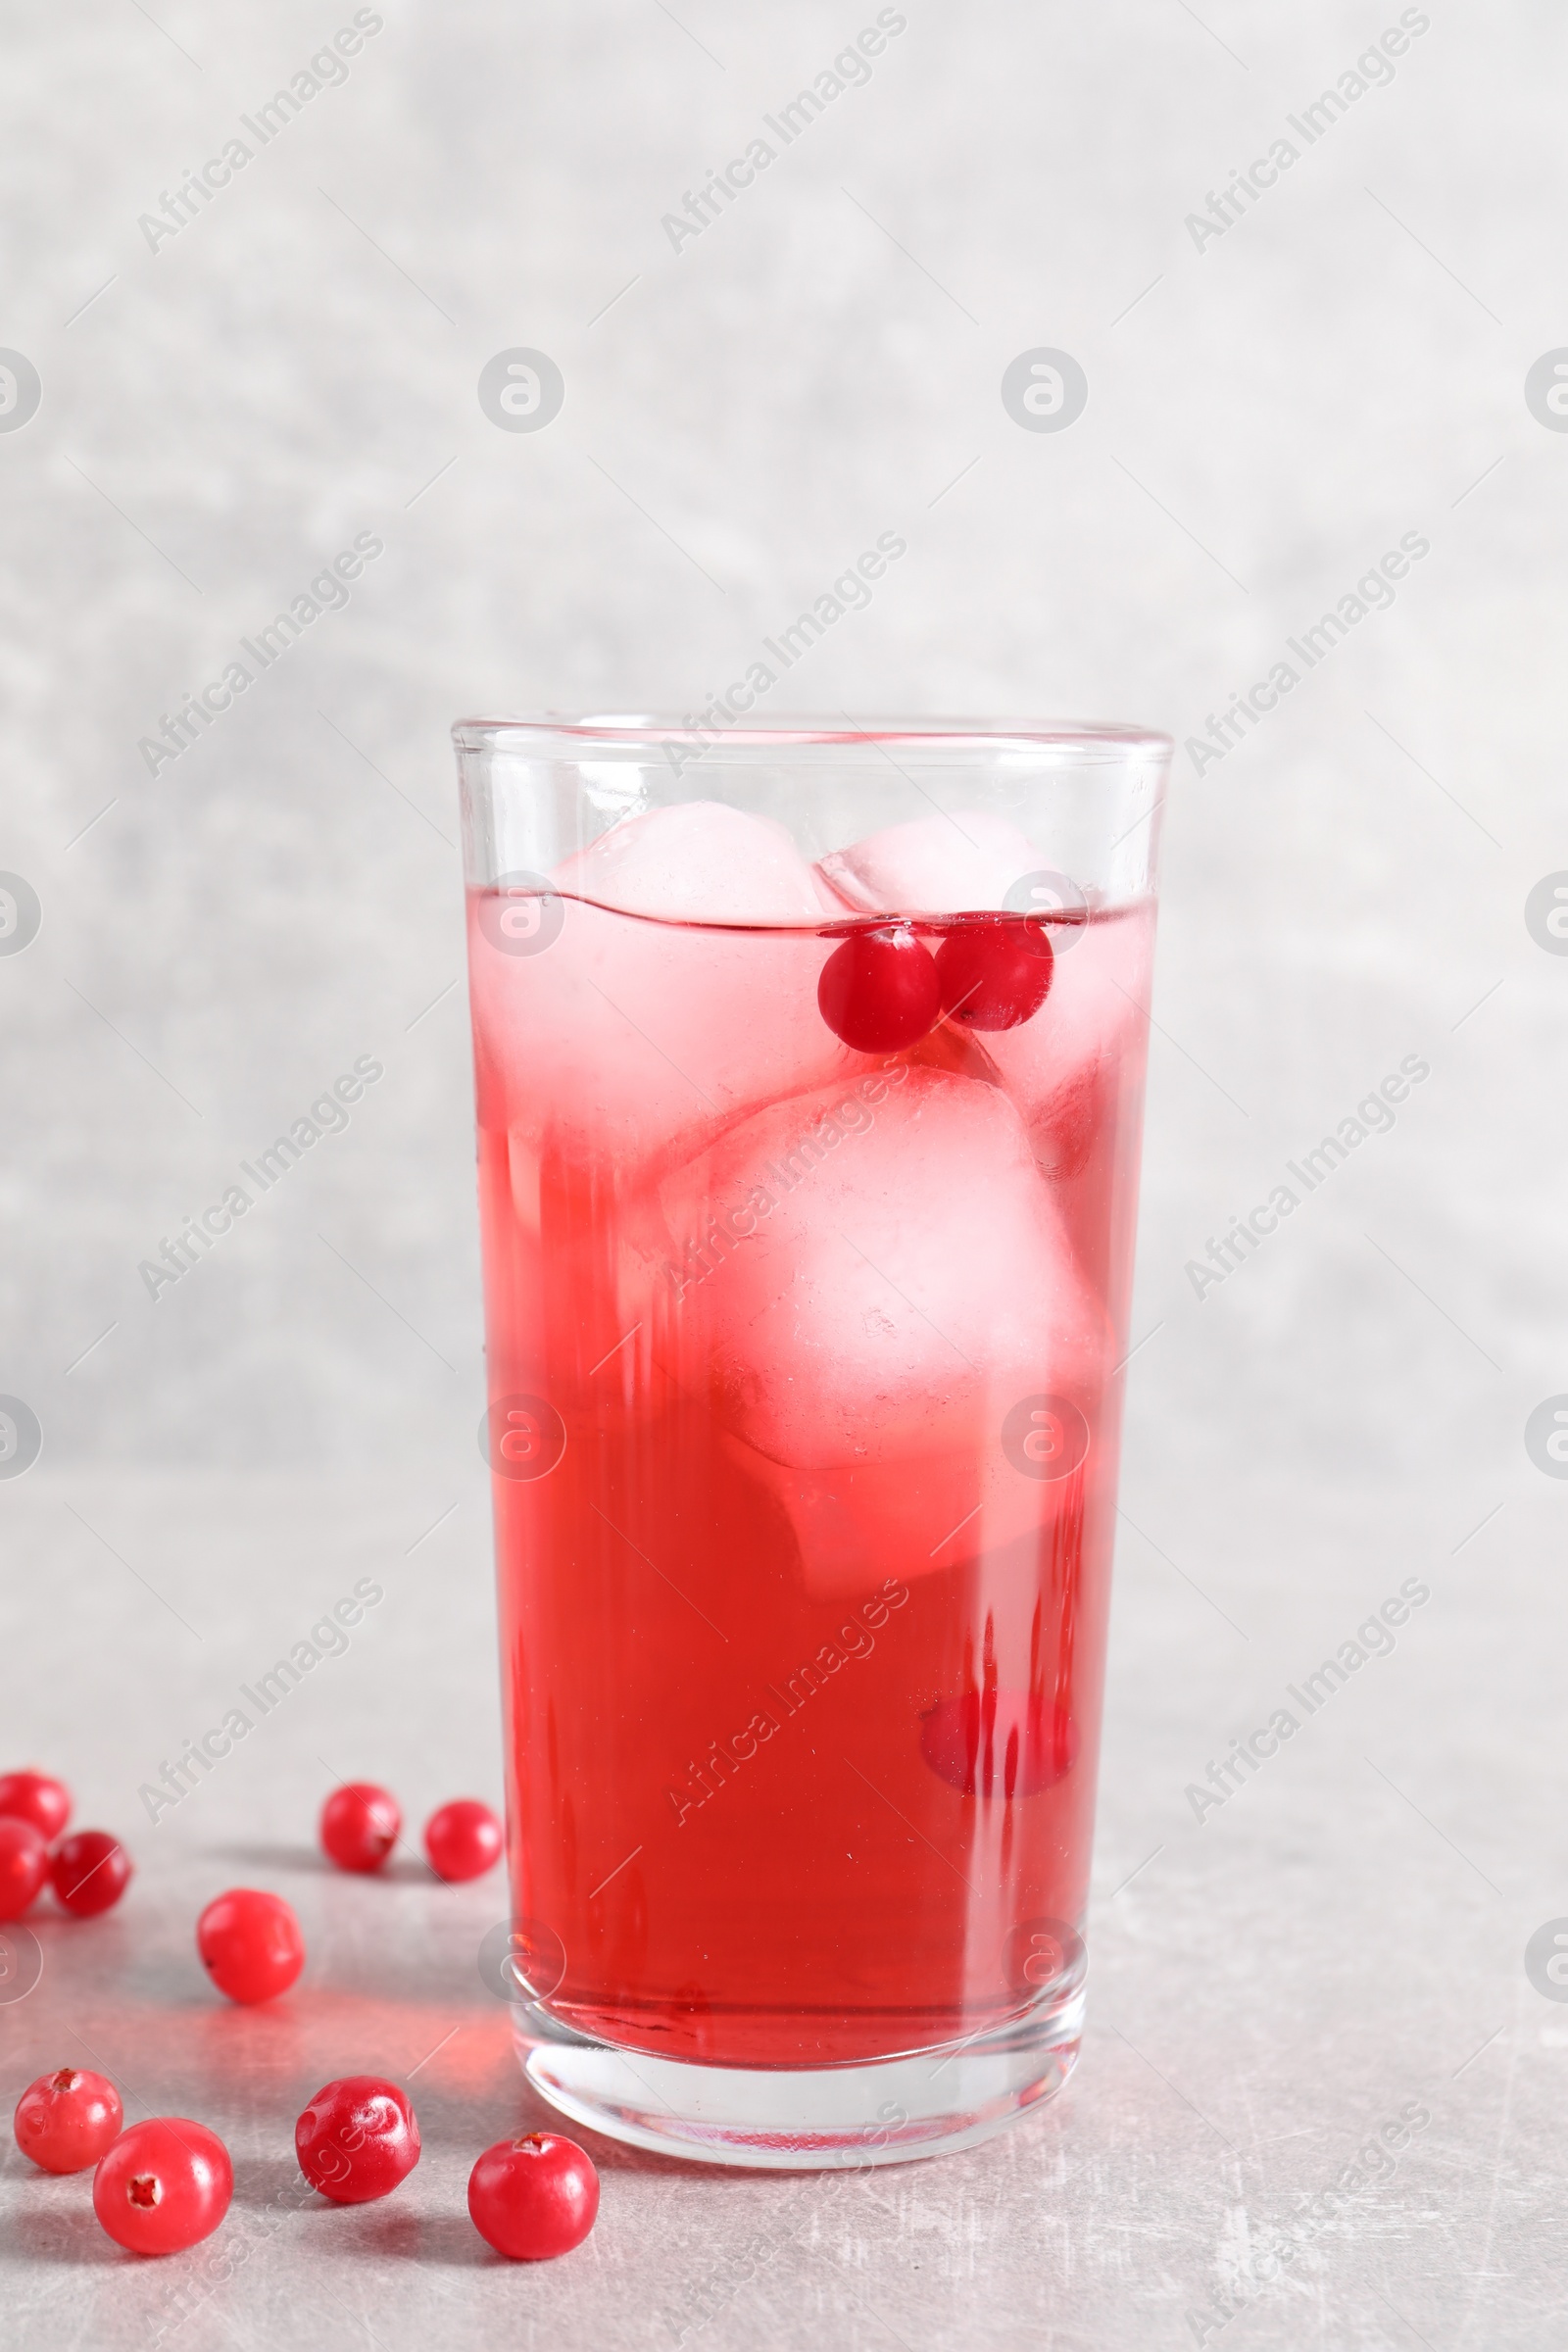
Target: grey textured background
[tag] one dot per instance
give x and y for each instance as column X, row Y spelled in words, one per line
column 1266, row 417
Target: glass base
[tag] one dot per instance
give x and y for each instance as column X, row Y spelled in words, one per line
column 891, row 2110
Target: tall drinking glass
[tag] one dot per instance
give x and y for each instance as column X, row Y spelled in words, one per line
column 809, row 1065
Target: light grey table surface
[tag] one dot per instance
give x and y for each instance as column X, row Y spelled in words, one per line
column 1341, row 1942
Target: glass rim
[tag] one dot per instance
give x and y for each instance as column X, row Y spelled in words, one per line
column 568, row 735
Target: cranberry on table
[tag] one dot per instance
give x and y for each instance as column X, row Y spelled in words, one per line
column 878, row 991
column 90, row 1872
column 250, row 1944
column 33, row 1796
column 64, row 2121
column 24, row 1865
column 462, row 1839
column 164, row 2186
column 360, row 1825
column 994, row 975
column 534, row 2197
column 357, row 2140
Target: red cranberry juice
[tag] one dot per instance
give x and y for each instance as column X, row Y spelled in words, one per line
column 804, row 1367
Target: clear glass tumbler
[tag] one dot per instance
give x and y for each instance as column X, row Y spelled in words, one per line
column 809, row 1065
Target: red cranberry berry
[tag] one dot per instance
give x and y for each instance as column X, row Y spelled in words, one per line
column 534, row 2197
column 24, row 1865
column 163, row 2185
column 360, row 1825
column 1007, row 1743
column 878, row 991
column 64, row 2121
column 462, row 1839
column 994, row 975
column 33, row 1796
column 90, row 1872
column 357, row 2140
column 250, row 1944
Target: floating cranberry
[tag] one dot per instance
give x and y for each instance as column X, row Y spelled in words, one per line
column 163, row 2185
column 90, row 1872
column 360, row 1825
column 33, row 1796
column 24, row 1865
column 462, row 1839
column 994, row 975
column 357, row 2140
column 64, row 2121
column 878, row 991
column 1002, row 1744
column 250, row 1944
column 535, row 2198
